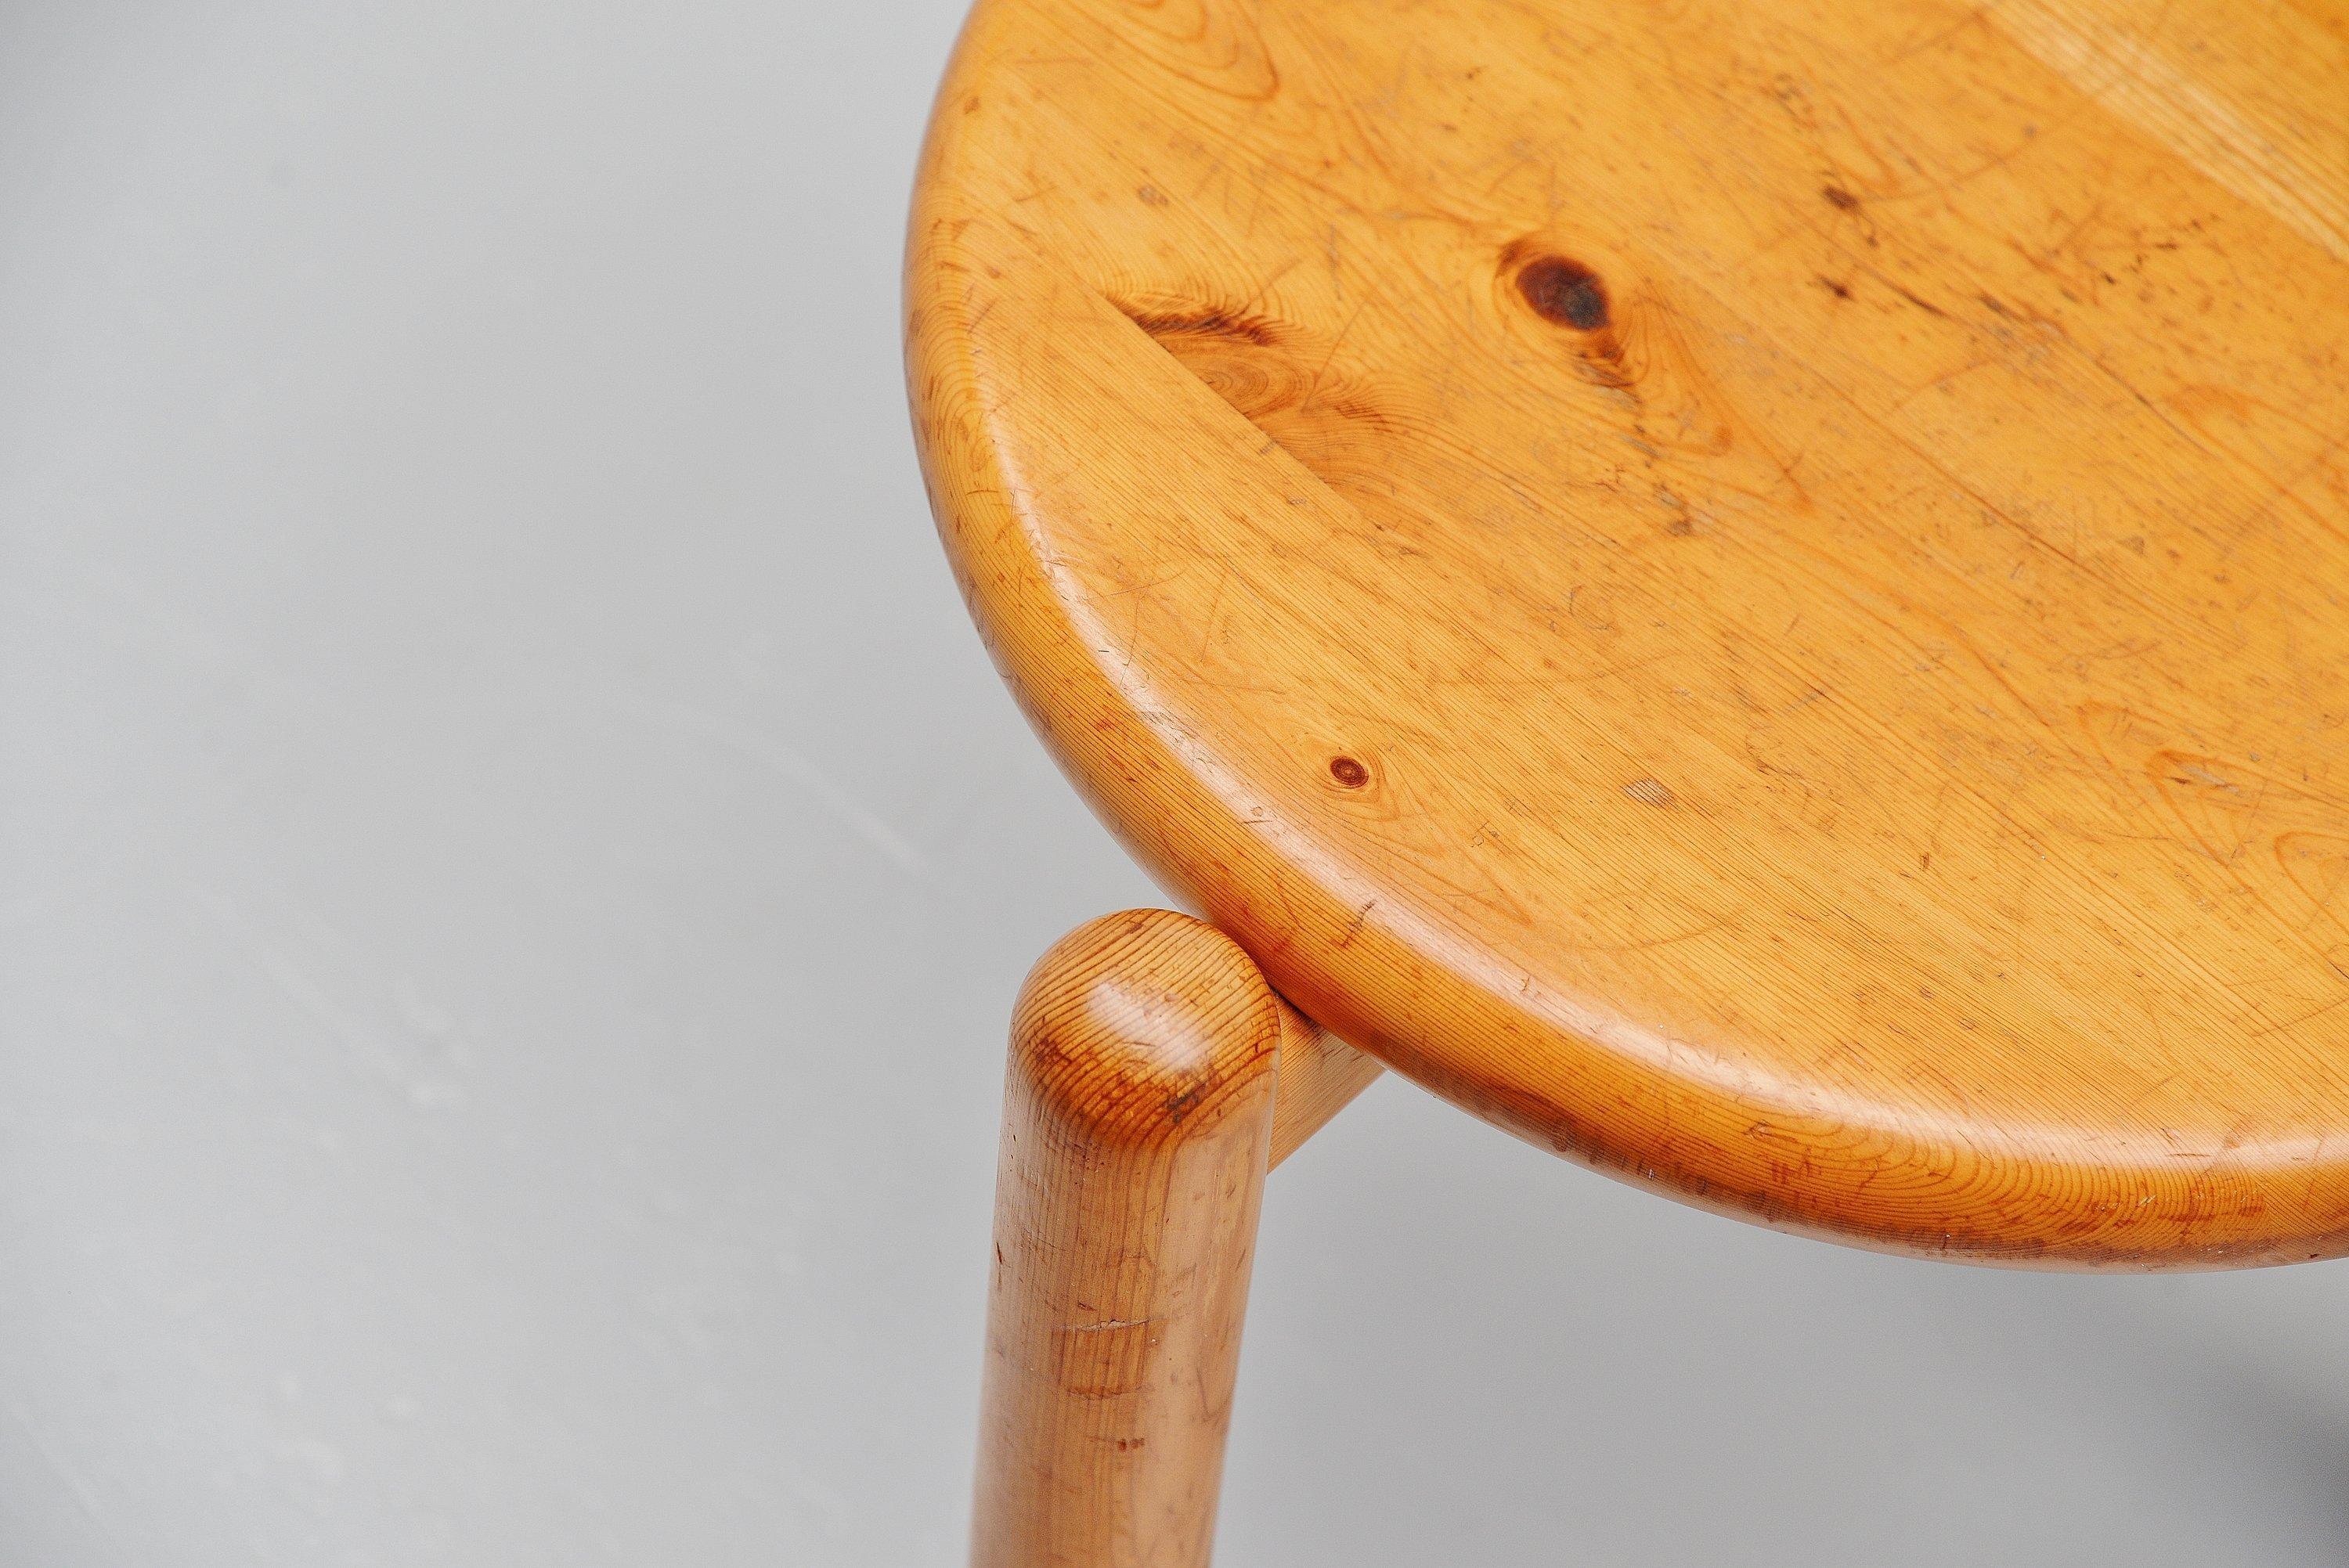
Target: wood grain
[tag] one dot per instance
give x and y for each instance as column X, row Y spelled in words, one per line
column 1147, row 1055
column 1756, row 591
column 1319, row 1076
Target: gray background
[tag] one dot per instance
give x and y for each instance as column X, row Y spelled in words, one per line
column 515, row 867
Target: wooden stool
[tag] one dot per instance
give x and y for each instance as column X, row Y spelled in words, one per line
column 1756, row 591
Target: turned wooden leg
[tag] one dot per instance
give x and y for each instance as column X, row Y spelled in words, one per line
column 1147, row 1059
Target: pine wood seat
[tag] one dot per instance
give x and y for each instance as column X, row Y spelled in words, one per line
column 1755, row 590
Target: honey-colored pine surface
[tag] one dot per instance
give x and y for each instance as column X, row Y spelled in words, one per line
column 1154, row 1078
column 1756, row 591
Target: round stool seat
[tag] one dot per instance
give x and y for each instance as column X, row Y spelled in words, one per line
column 1755, row 591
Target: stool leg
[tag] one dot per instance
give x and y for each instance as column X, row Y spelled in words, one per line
column 1137, row 1127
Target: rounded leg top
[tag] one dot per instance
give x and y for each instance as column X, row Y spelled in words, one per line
column 1144, row 1027
column 1137, row 1127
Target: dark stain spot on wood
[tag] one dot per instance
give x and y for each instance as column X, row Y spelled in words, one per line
column 1928, row 306
column 1349, row 773
column 1841, row 290
column 1838, row 197
column 1566, row 292
column 1182, row 1103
